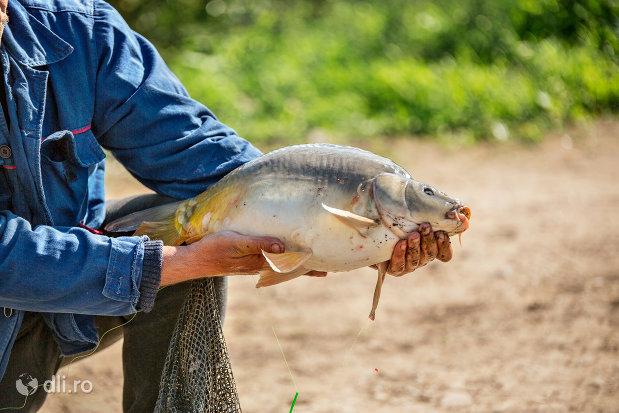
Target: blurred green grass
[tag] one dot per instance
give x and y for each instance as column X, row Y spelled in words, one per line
column 470, row 70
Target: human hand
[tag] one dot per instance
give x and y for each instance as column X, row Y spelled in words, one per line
column 221, row 253
column 418, row 249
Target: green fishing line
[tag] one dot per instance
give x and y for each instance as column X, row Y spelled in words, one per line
column 77, row 358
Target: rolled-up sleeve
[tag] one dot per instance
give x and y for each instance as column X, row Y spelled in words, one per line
column 75, row 270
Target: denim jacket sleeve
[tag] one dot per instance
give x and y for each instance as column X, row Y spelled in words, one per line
column 168, row 141
column 74, row 270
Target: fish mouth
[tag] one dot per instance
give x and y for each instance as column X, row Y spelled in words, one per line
column 461, row 214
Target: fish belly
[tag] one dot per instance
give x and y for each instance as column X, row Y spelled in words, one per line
column 292, row 211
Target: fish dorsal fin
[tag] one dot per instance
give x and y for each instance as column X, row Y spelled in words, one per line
column 270, row 277
column 286, row 262
column 358, row 222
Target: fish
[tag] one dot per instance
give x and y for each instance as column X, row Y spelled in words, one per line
column 335, row 208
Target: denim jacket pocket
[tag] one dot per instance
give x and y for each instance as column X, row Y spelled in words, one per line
column 67, row 162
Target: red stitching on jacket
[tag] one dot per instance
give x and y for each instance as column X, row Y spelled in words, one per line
column 75, row 132
column 9, row 167
column 94, row 231
column 82, row 130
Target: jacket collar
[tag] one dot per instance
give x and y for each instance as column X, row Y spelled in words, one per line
column 29, row 41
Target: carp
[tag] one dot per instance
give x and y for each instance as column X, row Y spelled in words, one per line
column 335, row 208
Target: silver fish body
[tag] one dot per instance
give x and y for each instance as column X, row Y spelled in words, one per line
column 335, row 208
column 288, row 189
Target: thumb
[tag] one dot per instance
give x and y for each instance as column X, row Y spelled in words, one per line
column 255, row 245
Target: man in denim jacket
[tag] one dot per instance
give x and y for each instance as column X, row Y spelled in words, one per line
column 76, row 78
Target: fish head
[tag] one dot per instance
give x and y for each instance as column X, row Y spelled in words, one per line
column 403, row 204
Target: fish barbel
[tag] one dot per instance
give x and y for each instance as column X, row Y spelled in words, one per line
column 335, row 208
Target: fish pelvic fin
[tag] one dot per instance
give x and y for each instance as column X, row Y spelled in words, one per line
column 286, row 262
column 270, row 277
column 360, row 223
column 382, row 271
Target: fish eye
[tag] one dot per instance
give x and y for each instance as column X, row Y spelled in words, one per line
column 428, row 191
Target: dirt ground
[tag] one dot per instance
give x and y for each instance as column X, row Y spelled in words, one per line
column 525, row 318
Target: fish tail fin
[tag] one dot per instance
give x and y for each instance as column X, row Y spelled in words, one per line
column 157, row 223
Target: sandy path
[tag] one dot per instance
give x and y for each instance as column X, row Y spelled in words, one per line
column 524, row 319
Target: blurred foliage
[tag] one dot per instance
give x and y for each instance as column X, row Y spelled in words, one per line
column 471, row 69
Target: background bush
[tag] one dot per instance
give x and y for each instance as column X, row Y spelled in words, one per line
column 470, row 69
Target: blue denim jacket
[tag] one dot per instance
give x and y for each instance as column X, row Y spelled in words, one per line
column 79, row 80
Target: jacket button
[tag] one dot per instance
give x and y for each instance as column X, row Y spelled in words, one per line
column 5, row 152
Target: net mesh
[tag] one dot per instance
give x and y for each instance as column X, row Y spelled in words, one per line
column 197, row 375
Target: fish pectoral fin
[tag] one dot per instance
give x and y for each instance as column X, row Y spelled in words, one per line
column 286, row 262
column 382, row 271
column 358, row 222
column 270, row 277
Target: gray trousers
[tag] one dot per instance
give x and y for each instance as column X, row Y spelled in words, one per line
column 145, row 343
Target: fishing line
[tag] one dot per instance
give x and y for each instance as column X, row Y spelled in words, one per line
column 281, row 349
column 76, row 358
column 347, row 354
column 71, row 362
column 349, row 351
column 81, row 356
column 270, row 322
column 25, row 400
column 285, row 361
